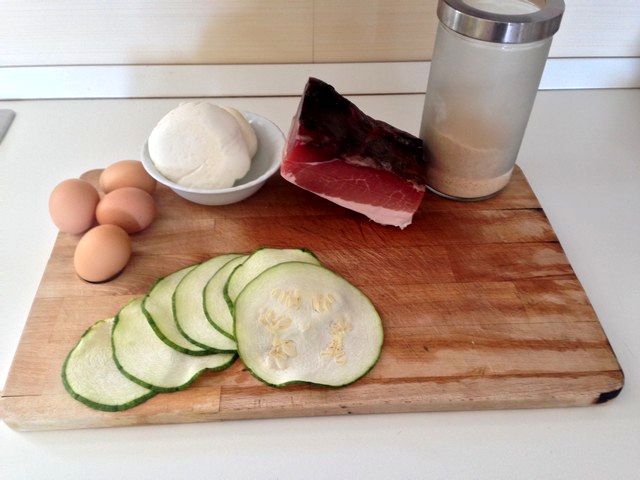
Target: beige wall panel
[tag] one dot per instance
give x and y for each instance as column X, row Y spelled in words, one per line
column 599, row 28
column 68, row 32
column 136, row 32
column 374, row 30
column 379, row 30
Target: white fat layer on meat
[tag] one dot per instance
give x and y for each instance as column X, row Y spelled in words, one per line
column 382, row 215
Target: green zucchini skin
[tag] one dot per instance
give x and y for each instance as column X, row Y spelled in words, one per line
column 218, row 263
column 306, row 250
column 184, row 386
column 214, row 324
column 293, row 383
column 225, row 295
column 166, row 340
column 90, row 403
column 205, row 348
column 161, row 335
column 155, row 388
column 101, row 406
column 227, row 298
column 306, row 382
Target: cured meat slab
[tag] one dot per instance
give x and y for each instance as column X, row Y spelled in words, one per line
column 339, row 153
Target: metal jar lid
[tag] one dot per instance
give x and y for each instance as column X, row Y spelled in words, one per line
column 500, row 28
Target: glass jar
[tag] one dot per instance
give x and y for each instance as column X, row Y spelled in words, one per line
column 486, row 68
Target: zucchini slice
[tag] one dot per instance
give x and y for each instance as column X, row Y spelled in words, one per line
column 302, row 323
column 91, row 376
column 215, row 304
column 157, row 306
column 145, row 359
column 258, row 262
column 188, row 307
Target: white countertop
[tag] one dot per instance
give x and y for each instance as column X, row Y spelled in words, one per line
column 582, row 156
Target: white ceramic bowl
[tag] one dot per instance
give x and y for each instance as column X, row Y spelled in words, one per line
column 265, row 163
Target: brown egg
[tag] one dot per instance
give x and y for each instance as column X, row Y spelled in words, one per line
column 72, row 205
column 126, row 173
column 130, row 208
column 102, row 253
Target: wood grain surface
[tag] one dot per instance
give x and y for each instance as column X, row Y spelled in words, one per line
column 480, row 305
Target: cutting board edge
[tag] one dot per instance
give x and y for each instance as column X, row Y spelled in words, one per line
column 610, row 386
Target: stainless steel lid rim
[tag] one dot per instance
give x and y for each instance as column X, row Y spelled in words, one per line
column 500, row 28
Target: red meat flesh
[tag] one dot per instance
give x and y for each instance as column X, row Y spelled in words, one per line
column 337, row 152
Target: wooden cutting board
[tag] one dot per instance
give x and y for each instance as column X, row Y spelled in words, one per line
column 480, row 305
